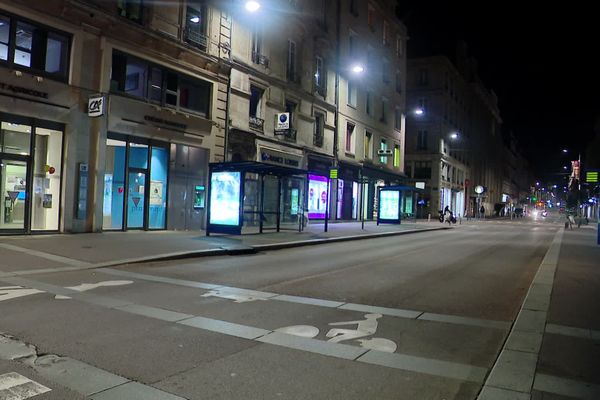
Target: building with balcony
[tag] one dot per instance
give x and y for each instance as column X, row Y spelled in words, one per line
column 454, row 141
column 111, row 113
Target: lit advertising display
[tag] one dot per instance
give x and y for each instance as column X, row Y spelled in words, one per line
column 317, row 196
column 225, row 198
column 389, row 205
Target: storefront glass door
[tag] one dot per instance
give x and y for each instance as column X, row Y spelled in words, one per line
column 136, row 200
column 13, row 190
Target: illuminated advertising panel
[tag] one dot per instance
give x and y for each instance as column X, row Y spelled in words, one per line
column 389, row 205
column 225, row 198
column 317, row 196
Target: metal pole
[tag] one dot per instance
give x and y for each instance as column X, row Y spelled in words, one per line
column 327, row 206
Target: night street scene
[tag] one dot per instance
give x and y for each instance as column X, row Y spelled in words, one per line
column 299, row 199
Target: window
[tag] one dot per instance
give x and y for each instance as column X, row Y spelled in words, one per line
column 354, row 7
column 256, row 95
column 370, row 103
column 352, row 43
column 396, row 155
column 292, row 73
column 397, row 119
column 399, row 46
column 290, row 107
column 257, row 56
column 4, row 35
column 136, row 77
column 408, row 170
column 351, row 94
column 319, row 132
column 423, row 104
column 383, row 146
column 130, row 9
column 398, row 81
column 386, row 33
column 196, row 26
column 385, row 72
column 371, row 17
column 423, row 77
column 320, row 77
column 368, row 144
column 30, row 46
column 422, row 170
column 422, row 140
column 349, row 137
column 384, row 110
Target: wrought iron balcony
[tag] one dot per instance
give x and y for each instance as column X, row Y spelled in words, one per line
column 196, row 38
column 257, row 123
column 260, row 59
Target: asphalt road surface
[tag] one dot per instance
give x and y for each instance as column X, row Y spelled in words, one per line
column 421, row 316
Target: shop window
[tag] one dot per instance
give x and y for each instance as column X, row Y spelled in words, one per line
column 47, row 174
column 114, row 184
column 4, row 35
column 140, row 78
column 158, row 188
column 138, row 156
column 130, row 9
column 15, row 138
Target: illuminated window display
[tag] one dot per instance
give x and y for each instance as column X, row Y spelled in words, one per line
column 317, row 196
column 225, row 198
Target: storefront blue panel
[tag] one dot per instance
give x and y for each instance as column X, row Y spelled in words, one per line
column 158, row 188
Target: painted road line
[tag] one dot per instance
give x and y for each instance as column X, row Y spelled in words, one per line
column 410, row 363
column 227, row 328
column 428, row 366
column 308, row 300
column 492, row 393
column 337, row 350
column 514, row 369
column 258, row 295
column 14, row 386
column 47, row 256
column 566, row 387
column 393, row 312
column 453, row 319
column 13, row 292
column 134, row 391
column 153, row 312
column 570, row 331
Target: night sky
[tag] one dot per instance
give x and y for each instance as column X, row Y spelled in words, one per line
column 541, row 62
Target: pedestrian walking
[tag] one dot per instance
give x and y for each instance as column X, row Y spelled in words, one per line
column 482, row 212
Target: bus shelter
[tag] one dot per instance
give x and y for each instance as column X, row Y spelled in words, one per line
column 253, row 197
column 396, row 203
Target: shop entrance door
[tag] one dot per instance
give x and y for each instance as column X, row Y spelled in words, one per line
column 13, row 194
column 136, row 199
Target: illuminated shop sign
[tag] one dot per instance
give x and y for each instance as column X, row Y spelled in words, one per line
column 389, row 205
column 317, row 196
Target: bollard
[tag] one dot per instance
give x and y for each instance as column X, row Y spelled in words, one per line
column 429, row 217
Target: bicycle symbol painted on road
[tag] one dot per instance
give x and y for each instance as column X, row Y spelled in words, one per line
column 364, row 328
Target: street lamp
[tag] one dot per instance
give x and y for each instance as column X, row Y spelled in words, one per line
column 252, row 6
column 357, row 68
column 454, row 135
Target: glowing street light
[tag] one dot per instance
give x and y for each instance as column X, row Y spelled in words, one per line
column 454, row 135
column 565, row 151
column 357, row 69
column 419, row 111
column 252, row 6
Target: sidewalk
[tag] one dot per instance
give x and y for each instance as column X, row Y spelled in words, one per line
column 30, row 254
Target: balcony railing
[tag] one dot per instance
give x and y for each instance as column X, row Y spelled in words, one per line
column 196, row 39
column 257, row 123
column 290, row 135
column 260, row 59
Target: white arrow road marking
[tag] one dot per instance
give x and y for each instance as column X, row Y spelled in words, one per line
column 84, row 287
column 300, row 330
column 237, row 297
column 15, row 386
column 12, row 292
